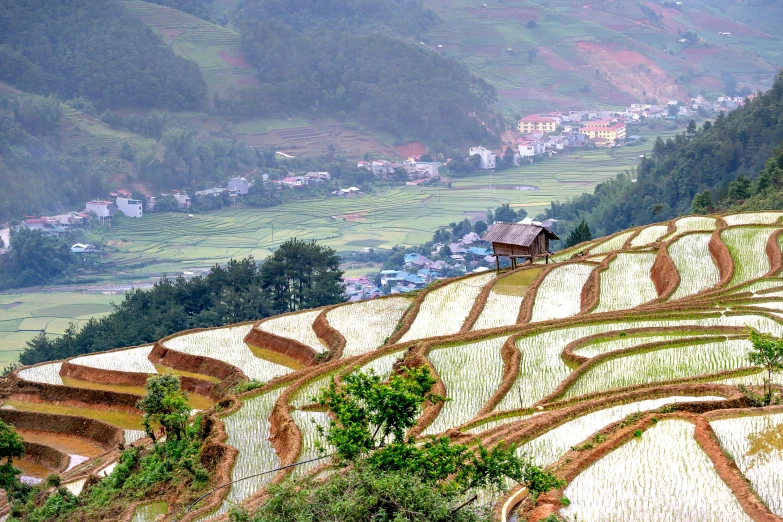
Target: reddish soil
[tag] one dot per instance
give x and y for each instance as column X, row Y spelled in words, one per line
column 171, row 33
column 713, row 24
column 631, row 72
column 4, row 87
column 554, row 60
column 359, row 216
column 696, row 54
column 234, row 61
column 414, row 149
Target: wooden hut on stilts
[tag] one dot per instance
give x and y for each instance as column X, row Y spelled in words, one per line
column 515, row 241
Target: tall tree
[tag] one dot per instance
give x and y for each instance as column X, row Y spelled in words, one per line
column 302, row 274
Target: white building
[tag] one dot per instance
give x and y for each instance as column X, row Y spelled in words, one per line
column 239, row 185
column 129, row 207
column 487, row 157
column 103, row 210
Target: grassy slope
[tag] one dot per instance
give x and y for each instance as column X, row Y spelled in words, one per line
column 565, row 39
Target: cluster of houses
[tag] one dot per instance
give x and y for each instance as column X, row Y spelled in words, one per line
column 544, row 135
column 471, row 253
column 415, row 169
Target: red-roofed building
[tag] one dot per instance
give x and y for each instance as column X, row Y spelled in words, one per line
column 535, row 123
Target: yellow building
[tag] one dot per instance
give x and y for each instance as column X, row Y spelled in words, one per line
column 536, row 123
column 612, row 132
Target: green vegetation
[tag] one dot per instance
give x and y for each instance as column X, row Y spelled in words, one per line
column 764, row 193
column 766, row 352
column 578, row 235
column 166, row 404
column 140, row 474
column 299, row 275
column 35, row 259
column 392, row 476
column 102, row 53
column 367, row 78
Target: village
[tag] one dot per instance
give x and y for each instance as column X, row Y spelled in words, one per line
column 538, row 136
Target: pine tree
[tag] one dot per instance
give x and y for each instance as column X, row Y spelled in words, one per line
column 579, row 235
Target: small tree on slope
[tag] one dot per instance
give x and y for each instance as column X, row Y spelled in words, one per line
column 766, row 352
column 166, row 404
column 389, row 475
column 370, row 425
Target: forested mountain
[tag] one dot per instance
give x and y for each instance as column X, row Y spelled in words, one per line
column 95, row 49
column 395, row 17
column 332, row 58
column 666, row 182
column 33, row 176
column 384, row 83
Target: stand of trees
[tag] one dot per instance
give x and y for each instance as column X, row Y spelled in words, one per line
column 299, row 275
column 699, row 160
column 35, row 259
column 95, row 49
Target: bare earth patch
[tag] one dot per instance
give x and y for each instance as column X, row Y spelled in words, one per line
column 234, row 61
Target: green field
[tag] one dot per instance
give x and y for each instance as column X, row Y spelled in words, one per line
column 397, row 216
column 22, row 316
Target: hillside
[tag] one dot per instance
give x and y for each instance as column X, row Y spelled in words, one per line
column 599, row 384
column 568, row 54
column 666, row 183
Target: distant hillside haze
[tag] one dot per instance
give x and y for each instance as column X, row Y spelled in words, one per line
column 702, row 159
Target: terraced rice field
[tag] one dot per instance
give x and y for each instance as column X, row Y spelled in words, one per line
column 662, row 365
column 227, row 344
column 560, row 293
column 445, row 309
column 649, row 235
column 756, row 443
column 627, row 271
column 666, row 476
column 748, row 248
column 134, row 360
column 554, row 444
column 503, row 303
column 615, row 243
column 458, row 367
column 366, row 335
column 298, row 327
column 697, row 270
column 630, row 422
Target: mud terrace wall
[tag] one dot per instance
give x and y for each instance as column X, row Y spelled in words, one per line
column 101, row 433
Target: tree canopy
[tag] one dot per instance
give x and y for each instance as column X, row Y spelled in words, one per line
column 96, row 49
column 166, row 404
column 35, row 258
column 766, row 352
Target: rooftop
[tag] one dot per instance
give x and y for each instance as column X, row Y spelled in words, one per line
column 516, row 233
